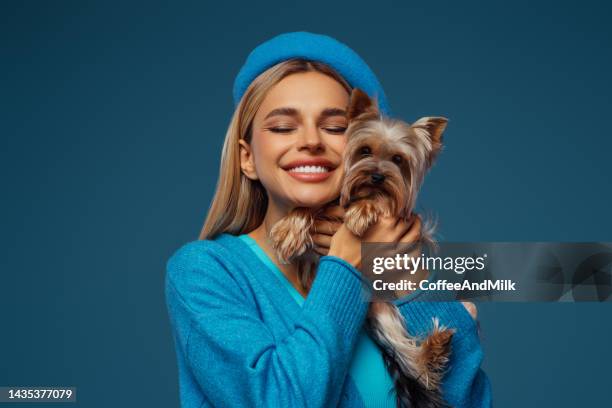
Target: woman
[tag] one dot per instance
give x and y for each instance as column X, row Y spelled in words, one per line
column 246, row 333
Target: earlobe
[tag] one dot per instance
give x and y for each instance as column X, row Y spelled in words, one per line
column 247, row 165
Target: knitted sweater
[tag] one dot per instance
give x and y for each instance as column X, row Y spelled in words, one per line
column 242, row 341
column 367, row 368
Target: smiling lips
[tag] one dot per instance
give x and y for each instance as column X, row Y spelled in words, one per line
column 310, row 170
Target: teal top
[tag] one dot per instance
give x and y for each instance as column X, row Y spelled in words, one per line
column 367, row 368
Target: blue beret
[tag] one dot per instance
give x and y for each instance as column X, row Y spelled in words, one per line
column 316, row 47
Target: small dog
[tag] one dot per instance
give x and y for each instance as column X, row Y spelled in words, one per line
column 384, row 164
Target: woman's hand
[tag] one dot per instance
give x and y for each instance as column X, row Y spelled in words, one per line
column 324, row 229
column 344, row 244
column 332, row 238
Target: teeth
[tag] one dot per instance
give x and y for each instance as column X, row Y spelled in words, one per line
column 309, row 169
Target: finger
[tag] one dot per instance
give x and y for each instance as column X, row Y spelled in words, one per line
column 414, row 250
column 384, row 230
column 335, row 211
column 387, row 222
column 401, row 228
column 322, row 240
column 414, row 231
column 326, row 227
column 321, row 251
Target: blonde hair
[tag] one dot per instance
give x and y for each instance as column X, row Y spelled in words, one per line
column 239, row 204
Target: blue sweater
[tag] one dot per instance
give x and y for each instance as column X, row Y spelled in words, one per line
column 242, row 341
column 367, row 368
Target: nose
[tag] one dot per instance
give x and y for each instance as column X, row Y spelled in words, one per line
column 377, row 178
column 310, row 139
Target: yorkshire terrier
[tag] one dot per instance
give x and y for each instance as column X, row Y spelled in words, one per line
column 384, row 164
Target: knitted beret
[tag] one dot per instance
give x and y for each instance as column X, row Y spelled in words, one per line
column 316, row 47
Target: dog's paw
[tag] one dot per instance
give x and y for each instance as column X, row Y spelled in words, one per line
column 360, row 216
column 291, row 236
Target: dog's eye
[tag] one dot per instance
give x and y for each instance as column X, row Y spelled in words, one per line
column 365, row 151
column 397, row 159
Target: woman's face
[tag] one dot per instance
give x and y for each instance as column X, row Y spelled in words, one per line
column 298, row 136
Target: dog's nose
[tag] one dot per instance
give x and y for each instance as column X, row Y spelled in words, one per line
column 378, row 178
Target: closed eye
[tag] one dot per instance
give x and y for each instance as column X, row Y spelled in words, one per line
column 336, row 130
column 279, row 129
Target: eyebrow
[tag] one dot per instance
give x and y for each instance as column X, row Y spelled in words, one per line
column 286, row 111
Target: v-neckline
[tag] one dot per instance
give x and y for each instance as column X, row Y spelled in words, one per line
column 263, row 257
column 260, row 262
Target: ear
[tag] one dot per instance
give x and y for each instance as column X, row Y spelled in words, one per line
column 360, row 105
column 247, row 165
column 432, row 127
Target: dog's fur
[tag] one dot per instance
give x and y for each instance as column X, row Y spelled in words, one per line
column 384, row 164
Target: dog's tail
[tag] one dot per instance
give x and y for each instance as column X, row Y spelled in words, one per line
column 416, row 385
column 409, row 392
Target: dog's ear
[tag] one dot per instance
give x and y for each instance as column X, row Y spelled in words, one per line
column 361, row 106
column 432, row 127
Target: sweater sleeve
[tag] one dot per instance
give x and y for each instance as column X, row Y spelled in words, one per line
column 465, row 385
column 232, row 354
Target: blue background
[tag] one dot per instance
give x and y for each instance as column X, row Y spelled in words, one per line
column 112, row 119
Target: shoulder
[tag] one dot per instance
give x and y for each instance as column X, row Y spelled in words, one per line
column 193, row 253
column 202, row 261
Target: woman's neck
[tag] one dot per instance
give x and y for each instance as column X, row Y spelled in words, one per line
column 261, row 235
